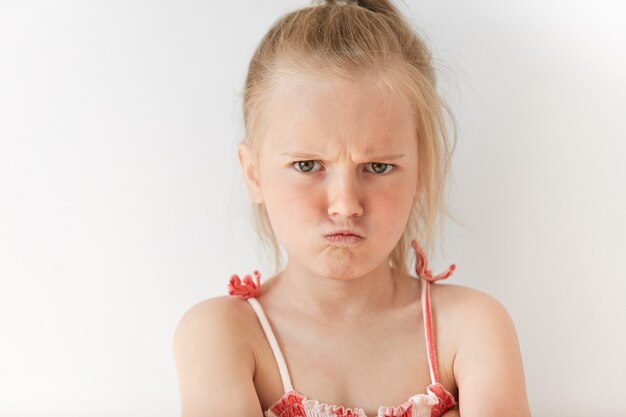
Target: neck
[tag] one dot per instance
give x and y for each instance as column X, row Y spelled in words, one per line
column 339, row 299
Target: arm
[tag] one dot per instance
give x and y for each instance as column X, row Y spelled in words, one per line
column 488, row 365
column 214, row 362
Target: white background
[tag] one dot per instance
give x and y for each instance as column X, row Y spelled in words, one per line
column 121, row 204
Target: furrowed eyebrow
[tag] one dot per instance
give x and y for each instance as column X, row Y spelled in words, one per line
column 300, row 155
column 390, row 157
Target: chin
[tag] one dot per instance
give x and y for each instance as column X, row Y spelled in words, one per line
column 344, row 268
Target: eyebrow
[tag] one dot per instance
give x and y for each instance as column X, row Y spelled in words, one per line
column 305, row 155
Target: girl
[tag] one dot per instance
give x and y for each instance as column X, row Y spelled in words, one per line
column 345, row 158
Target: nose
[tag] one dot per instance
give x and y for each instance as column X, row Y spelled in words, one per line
column 344, row 196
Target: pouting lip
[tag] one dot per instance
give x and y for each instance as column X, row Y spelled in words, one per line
column 344, row 232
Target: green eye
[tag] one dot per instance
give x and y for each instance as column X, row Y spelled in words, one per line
column 305, row 166
column 380, row 168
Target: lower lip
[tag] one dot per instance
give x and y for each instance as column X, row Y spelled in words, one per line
column 344, row 240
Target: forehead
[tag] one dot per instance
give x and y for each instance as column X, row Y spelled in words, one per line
column 327, row 112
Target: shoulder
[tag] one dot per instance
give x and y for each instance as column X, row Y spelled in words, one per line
column 223, row 306
column 458, row 300
column 472, row 313
column 486, row 348
column 222, row 317
column 214, row 358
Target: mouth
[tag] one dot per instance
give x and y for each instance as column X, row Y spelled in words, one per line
column 344, row 238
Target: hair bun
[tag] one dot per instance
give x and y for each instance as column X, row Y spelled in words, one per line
column 377, row 6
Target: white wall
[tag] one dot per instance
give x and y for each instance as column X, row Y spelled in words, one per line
column 121, row 203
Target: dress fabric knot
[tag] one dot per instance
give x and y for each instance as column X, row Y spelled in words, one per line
column 247, row 288
column 446, row 400
column 421, row 265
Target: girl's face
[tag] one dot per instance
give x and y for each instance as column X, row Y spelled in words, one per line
column 337, row 156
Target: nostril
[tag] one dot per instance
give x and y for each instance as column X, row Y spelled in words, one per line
column 345, row 206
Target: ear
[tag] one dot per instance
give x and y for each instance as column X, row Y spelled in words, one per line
column 249, row 170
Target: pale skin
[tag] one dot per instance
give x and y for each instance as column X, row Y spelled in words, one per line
column 351, row 334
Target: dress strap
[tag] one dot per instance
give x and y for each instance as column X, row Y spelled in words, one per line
column 280, row 360
column 249, row 290
column 428, row 330
column 427, row 280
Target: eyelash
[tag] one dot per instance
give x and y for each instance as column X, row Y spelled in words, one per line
column 390, row 166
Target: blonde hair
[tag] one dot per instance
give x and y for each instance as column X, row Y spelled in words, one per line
column 345, row 38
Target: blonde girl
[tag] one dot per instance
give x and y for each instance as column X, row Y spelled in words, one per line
column 345, row 159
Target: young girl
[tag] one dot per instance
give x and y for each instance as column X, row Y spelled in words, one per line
column 345, row 159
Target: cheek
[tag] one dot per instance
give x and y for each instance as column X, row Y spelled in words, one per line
column 288, row 190
column 391, row 204
column 291, row 203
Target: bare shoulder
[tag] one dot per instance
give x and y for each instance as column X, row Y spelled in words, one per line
column 468, row 303
column 486, row 349
column 229, row 314
column 214, row 359
column 468, row 317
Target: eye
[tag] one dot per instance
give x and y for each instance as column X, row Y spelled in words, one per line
column 305, row 166
column 380, row 168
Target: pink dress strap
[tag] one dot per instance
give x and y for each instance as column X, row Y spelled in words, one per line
column 421, row 268
column 249, row 290
column 280, row 359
